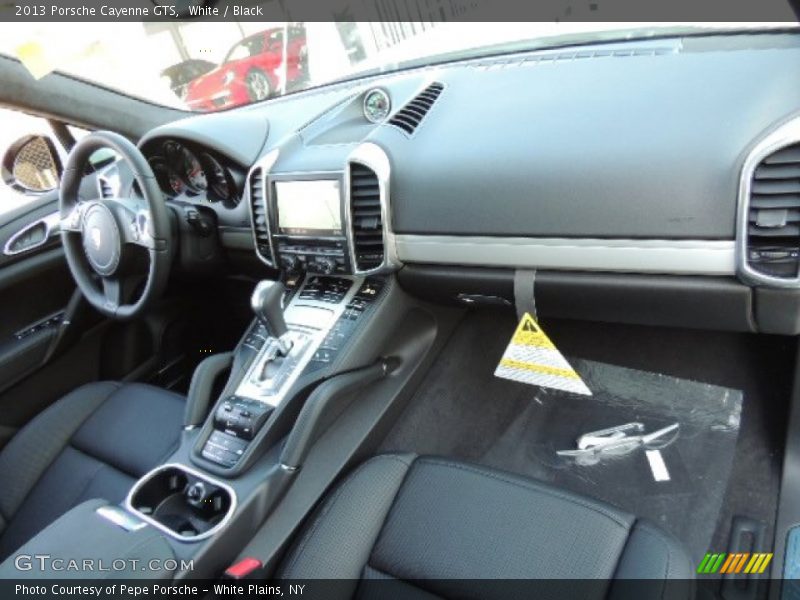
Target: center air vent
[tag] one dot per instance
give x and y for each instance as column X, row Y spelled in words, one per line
column 411, row 115
column 366, row 217
column 773, row 228
column 258, row 212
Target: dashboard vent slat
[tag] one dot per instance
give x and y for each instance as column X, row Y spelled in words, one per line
column 781, row 201
column 773, row 219
column 259, row 214
column 785, row 156
column 366, row 217
column 776, row 186
column 410, row 116
column 774, row 232
column 779, row 171
column 106, row 191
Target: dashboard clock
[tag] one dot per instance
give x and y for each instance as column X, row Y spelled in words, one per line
column 377, row 105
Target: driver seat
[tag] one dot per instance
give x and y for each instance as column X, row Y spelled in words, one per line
column 93, row 443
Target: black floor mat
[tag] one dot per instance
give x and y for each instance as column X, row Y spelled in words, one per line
column 462, row 410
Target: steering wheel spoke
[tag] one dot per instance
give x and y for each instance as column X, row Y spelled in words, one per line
column 112, row 292
column 134, row 223
column 118, row 290
column 73, row 220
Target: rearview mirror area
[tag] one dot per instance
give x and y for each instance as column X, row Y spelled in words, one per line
column 31, row 165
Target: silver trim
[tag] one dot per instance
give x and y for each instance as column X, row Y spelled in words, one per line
column 785, row 135
column 164, row 528
column 121, row 518
column 249, row 388
column 52, row 225
column 373, row 157
column 367, row 94
column 674, row 257
column 265, row 164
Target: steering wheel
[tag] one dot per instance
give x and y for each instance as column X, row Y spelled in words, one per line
column 105, row 239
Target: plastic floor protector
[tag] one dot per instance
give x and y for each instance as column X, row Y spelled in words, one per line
column 677, row 481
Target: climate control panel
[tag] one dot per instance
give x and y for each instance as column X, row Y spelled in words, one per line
column 323, row 257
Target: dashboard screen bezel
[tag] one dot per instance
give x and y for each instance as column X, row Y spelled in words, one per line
column 337, row 177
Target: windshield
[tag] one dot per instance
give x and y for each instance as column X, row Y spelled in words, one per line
column 209, row 66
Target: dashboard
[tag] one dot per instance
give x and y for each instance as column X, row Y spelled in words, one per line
column 621, row 158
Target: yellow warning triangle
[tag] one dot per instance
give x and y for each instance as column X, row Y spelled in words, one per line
column 529, row 333
column 531, row 357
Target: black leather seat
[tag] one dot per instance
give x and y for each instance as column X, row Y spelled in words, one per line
column 431, row 525
column 93, row 443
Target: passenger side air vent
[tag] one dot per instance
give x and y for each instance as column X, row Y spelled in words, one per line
column 258, row 211
column 773, row 227
column 411, row 115
column 366, row 217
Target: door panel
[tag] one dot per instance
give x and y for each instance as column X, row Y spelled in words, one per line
column 35, row 288
column 33, row 293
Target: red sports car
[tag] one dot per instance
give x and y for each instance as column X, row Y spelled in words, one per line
column 251, row 71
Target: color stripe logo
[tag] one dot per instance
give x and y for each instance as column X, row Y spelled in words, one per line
column 740, row 562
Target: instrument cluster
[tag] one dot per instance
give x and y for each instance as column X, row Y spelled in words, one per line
column 190, row 173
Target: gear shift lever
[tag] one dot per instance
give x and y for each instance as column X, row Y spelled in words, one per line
column 266, row 302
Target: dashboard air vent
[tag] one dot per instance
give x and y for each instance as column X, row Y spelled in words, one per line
column 411, row 115
column 365, row 212
column 773, row 228
column 259, row 215
column 106, row 191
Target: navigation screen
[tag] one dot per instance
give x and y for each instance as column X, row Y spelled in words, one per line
column 309, row 207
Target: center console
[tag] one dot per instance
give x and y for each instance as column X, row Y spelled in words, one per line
column 317, row 336
column 329, row 233
column 228, row 470
column 289, row 347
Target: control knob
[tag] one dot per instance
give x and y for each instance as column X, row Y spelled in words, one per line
column 324, row 265
column 290, row 262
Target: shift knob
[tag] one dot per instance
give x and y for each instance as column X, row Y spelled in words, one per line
column 266, row 302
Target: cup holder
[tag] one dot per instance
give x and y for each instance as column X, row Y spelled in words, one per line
column 186, row 504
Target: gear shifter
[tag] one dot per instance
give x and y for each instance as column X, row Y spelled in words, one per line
column 266, row 302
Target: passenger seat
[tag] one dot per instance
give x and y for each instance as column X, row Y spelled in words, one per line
column 432, row 524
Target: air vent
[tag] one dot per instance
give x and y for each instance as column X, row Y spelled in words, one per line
column 365, row 213
column 106, row 191
column 411, row 115
column 773, row 228
column 258, row 211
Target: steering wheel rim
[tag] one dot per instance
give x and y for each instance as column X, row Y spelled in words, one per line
column 97, row 234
